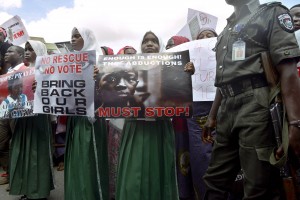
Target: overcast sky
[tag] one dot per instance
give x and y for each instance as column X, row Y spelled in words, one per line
column 116, row 23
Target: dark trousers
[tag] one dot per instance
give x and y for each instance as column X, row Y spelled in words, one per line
column 244, row 140
column 200, row 152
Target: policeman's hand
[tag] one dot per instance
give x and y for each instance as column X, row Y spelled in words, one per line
column 294, row 140
column 279, row 153
column 189, row 67
column 33, row 86
column 96, row 71
column 208, row 129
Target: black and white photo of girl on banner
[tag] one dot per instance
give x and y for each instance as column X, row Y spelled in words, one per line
column 143, row 86
column 16, row 95
column 65, row 84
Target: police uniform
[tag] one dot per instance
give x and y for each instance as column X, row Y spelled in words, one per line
column 244, row 129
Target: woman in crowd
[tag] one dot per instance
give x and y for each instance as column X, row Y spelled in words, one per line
column 86, row 159
column 183, row 168
column 199, row 152
column 30, row 163
column 114, row 137
column 206, row 32
column 147, row 152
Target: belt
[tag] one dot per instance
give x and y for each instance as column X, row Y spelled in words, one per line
column 243, row 85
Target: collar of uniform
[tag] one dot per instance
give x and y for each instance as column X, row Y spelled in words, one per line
column 245, row 10
column 17, row 67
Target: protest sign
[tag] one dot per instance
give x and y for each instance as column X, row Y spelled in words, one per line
column 144, row 86
column 203, row 57
column 65, row 84
column 205, row 19
column 16, row 31
column 195, row 21
column 16, row 95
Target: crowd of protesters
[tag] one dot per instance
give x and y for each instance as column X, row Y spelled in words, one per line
column 169, row 159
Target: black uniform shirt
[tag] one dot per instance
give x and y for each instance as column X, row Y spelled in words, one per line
column 271, row 30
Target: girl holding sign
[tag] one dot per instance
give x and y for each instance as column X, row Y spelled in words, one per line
column 147, row 151
column 31, row 160
column 86, row 157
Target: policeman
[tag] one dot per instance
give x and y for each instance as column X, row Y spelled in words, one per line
column 245, row 137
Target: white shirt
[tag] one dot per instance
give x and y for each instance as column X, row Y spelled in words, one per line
column 13, row 69
column 297, row 34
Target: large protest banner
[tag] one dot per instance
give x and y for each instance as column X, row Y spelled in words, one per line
column 144, row 86
column 16, row 95
column 65, row 84
column 16, row 31
column 204, row 59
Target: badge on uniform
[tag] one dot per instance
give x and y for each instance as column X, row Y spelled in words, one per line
column 286, row 22
column 238, row 50
column 238, row 28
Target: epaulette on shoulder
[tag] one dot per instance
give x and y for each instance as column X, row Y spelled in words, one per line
column 273, row 4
